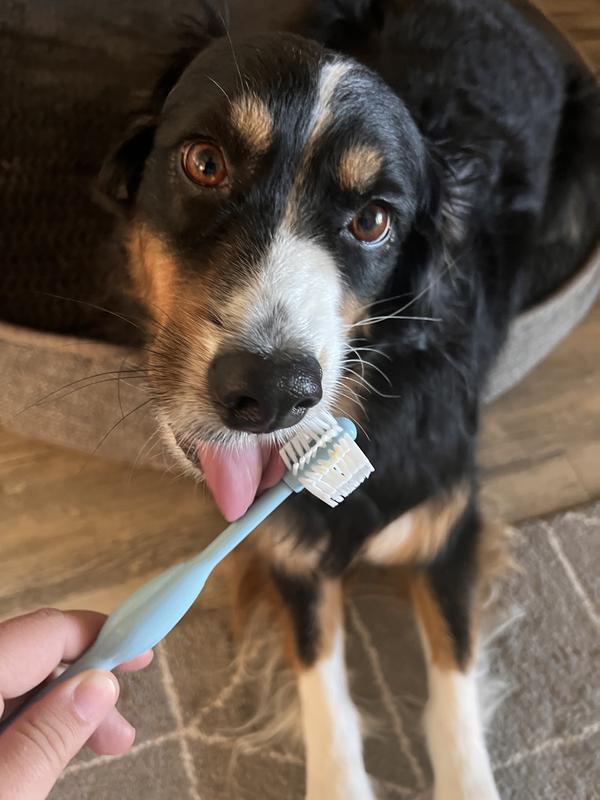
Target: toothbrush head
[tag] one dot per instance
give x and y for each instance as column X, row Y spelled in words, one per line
column 325, row 460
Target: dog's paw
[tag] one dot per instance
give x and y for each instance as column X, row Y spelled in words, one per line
column 355, row 786
column 475, row 790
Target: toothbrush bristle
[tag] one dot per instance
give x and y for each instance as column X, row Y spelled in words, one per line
column 326, row 460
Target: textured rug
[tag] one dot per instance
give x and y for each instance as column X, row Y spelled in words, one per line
column 545, row 738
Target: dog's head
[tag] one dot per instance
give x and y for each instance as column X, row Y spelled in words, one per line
column 269, row 196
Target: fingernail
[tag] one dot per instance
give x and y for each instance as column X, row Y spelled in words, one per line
column 95, row 694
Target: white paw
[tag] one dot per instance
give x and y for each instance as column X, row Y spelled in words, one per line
column 341, row 786
column 455, row 738
column 474, row 789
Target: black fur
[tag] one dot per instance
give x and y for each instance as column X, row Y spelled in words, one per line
column 301, row 596
column 492, row 128
column 452, row 579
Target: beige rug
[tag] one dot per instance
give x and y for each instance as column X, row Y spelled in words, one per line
column 545, row 739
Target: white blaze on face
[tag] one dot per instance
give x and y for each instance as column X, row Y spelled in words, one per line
column 294, row 300
column 293, row 303
column 329, row 79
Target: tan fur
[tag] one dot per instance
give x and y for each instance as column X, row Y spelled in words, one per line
column 153, row 270
column 348, row 401
column 331, row 612
column 276, row 545
column 417, row 536
column 185, row 338
column 276, row 541
column 358, row 168
column 352, row 308
column 495, row 559
column 329, row 620
column 253, row 587
column 252, row 119
column 433, row 625
column 157, row 283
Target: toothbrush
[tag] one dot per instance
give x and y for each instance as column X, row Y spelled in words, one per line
column 325, row 460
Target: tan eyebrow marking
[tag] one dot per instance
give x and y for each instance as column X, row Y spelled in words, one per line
column 358, row 167
column 252, row 119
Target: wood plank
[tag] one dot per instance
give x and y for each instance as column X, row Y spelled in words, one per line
column 580, row 21
column 71, row 523
column 539, row 448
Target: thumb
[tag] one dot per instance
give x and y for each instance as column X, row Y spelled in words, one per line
column 36, row 748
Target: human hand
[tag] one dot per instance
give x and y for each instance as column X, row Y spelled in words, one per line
column 36, row 748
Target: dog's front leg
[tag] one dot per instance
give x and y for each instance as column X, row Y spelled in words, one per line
column 444, row 597
column 331, row 725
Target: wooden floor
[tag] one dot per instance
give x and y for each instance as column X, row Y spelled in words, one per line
column 540, row 448
column 82, row 532
column 580, row 20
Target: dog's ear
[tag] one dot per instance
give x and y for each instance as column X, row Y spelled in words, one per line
column 461, row 177
column 122, row 171
column 344, row 23
column 431, row 256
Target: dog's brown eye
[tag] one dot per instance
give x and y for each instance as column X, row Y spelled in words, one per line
column 204, row 163
column 371, row 224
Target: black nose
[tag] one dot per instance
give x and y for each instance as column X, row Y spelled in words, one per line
column 259, row 394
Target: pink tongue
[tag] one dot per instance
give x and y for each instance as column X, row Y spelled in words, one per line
column 235, row 477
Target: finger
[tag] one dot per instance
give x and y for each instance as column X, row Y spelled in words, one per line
column 114, row 737
column 137, row 663
column 10, row 706
column 34, row 644
column 39, row 744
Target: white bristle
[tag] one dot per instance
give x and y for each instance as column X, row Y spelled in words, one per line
column 326, row 460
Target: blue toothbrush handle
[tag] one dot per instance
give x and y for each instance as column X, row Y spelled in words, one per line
column 233, row 535
column 153, row 610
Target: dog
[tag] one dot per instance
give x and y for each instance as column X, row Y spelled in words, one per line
column 347, row 216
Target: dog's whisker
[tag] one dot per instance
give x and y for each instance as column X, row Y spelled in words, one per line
column 349, row 393
column 360, row 379
column 218, row 85
column 95, row 306
column 370, row 350
column 233, row 53
column 449, row 264
column 114, row 379
column 355, row 400
column 366, row 365
column 146, row 449
column 352, row 396
column 119, row 422
column 382, row 300
column 395, row 315
column 119, row 377
column 358, row 359
column 88, row 380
